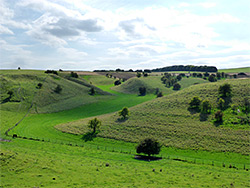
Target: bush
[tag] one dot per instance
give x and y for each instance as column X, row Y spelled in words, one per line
column 74, row 74
column 124, row 112
column 39, row 85
column 92, row 91
column 212, row 78
column 221, row 104
column 159, row 94
column 117, row 82
column 205, row 107
column 225, row 90
column 177, row 86
column 142, row 91
column 179, row 77
column 58, row 89
column 149, row 146
column 138, row 75
column 218, row 116
column 195, row 103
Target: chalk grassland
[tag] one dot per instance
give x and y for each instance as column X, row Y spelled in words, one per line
column 51, row 162
column 169, row 120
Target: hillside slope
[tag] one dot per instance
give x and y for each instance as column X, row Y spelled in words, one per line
column 151, row 83
column 24, row 86
column 169, row 120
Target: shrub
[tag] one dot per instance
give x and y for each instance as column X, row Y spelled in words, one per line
column 58, row 89
column 179, row 77
column 195, row 103
column 124, row 112
column 117, row 82
column 39, row 85
column 142, row 91
column 221, row 104
column 212, row 78
column 177, row 86
column 225, row 90
column 218, row 116
column 138, row 75
column 149, row 146
column 74, row 74
column 160, row 94
column 92, row 91
column 205, row 107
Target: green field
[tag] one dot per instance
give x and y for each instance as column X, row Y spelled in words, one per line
column 46, row 154
column 236, row 70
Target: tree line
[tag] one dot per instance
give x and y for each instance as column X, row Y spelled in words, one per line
column 186, row 68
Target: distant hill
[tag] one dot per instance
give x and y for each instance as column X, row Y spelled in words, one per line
column 169, row 120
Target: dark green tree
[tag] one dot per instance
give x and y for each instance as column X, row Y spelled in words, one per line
column 10, row 93
column 195, row 103
column 212, row 78
column 160, row 94
column 124, row 112
column 149, row 146
column 117, row 82
column 225, row 90
column 205, row 107
column 176, row 86
column 58, row 89
column 94, row 124
column 221, row 104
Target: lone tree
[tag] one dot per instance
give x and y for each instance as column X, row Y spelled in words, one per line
column 94, row 124
column 195, row 103
column 124, row 112
column 205, row 107
column 117, row 82
column 225, row 90
column 149, row 146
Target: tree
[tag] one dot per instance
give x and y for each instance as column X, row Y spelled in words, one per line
column 225, row 90
column 221, row 104
column 212, row 78
column 205, row 107
column 39, row 85
column 149, row 146
column 94, row 124
column 142, row 91
column 117, row 82
column 179, row 77
column 177, row 86
column 138, row 74
column 124, row 112
column 218, row 116
column 195, row 103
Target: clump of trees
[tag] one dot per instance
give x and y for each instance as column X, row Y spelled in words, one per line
column 170, row 80
column 51, row 71
column 195, row 103
column 124, row 113
column 94, row 124
column 225, row 90
column 149, row 147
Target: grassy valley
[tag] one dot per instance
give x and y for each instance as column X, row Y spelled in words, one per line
column 53, row 147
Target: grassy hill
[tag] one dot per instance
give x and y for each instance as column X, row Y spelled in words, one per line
column 169, row 120
column 236, row 70
column 23, row 84
column 151, row 83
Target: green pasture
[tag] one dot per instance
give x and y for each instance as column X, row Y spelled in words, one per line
column 236, row 70
column 46, row 154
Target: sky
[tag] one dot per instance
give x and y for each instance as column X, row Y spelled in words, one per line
column 125, row 34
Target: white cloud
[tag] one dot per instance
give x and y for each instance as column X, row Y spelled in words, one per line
column 207, row 4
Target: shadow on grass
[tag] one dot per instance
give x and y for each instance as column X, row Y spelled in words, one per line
column 218, row 123
column 6, row 100
column 147, row 158
column 89, row 136
column 121, row 119
column 203, row 117
column 193, row 110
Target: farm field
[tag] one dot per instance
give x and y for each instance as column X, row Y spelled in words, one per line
column 237, row 70
column 49, row 155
